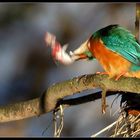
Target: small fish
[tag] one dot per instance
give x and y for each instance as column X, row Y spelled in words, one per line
column 58, row 52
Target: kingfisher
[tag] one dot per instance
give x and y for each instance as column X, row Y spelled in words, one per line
column 116, row 49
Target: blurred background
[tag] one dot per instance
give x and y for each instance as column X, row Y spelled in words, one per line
column 27, row 68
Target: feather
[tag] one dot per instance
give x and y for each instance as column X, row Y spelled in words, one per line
column 121, row 41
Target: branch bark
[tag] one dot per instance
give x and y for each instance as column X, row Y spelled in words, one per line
column 50, row 98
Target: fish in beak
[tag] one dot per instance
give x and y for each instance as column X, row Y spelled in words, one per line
column 80, row 53
column 59, row 53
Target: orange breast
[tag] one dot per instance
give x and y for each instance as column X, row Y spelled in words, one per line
column 113, row 63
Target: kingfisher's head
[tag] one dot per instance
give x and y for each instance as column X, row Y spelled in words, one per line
column 83, row 52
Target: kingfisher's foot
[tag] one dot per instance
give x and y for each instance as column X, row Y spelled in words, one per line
column 121, row 74
column 102, row 73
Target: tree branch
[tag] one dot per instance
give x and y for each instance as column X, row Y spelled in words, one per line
column 51, row 97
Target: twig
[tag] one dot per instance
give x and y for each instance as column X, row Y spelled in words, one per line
column 106, row 128
column 58, row 130
column 55, row 122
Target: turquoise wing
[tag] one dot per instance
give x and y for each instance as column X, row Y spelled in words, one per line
column 121, row 41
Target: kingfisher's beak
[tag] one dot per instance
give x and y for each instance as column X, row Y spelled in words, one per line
column 76, row 57
column 80, row 52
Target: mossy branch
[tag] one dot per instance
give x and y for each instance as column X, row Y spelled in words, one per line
column 50, row 98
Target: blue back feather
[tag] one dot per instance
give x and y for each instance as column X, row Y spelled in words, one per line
column 121, row 41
